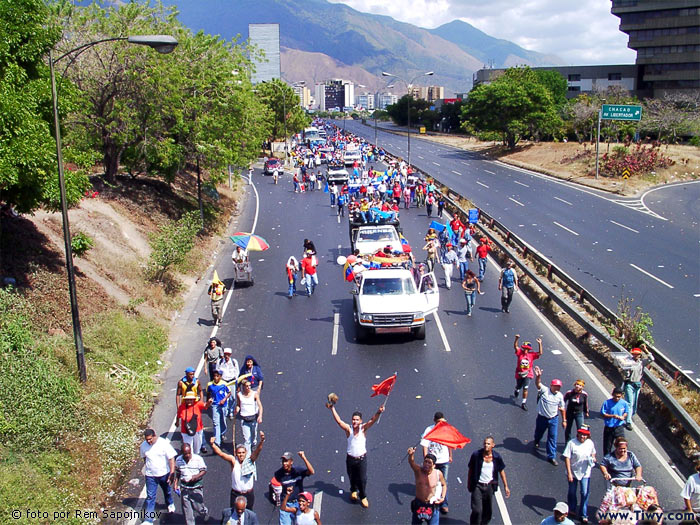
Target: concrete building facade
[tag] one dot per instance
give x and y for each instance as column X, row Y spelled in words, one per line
column 267, row 38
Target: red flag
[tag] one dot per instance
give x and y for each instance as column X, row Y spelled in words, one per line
column 447, row 435
column 384, row 387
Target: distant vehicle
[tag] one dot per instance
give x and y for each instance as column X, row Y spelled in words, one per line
column 271, row 165
column 351, row 156
column 369, row 239
column 312, row 134
column 337, row 175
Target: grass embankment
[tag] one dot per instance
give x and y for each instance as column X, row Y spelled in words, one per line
column 65, row 447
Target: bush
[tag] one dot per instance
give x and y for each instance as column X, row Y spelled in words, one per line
column 81, row 243
column 633, row 326
column 172, row 243
column 695, row 141
column 640, row 161
column 620, row 151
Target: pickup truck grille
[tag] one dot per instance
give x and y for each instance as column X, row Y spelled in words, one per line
column 392, row 319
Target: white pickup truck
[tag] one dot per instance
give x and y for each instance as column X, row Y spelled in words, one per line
column 370, row 238
column 388, row 300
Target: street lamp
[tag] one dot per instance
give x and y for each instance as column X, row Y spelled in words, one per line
column 409, row 86
column 162, row 44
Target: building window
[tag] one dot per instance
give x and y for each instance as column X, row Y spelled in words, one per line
column 574, row 88
column 574, row 78
column 614, row 76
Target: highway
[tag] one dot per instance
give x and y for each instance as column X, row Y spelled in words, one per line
column 306, row 347
column 646, row 248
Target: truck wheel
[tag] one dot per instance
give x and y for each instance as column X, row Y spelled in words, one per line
column 420, row 332
column 362, row 333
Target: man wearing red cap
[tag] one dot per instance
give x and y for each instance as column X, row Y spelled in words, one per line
column 482, row 252
column 523, row 367
column 449, row 263
column 579, row 458
column 550, row 404
column 633, row 381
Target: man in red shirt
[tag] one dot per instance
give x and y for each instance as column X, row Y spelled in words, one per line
column 458, row 228
column 308, row 272
column 189, row 415
column 482, row 252
column 525, row 357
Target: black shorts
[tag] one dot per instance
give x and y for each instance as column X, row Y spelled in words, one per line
column 522, row 383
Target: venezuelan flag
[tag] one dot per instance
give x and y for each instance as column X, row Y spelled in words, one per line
column 349, row 274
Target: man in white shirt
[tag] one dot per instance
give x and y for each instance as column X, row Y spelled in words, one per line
column 243, row 470
column 691, row 491
column 442, row 453
column 190, row 471
column 229, row 374
column 159, row 469
column 579, row 458
column 550, row 403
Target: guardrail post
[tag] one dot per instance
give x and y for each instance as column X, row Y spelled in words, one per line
column 549, row 271
column 581, row 295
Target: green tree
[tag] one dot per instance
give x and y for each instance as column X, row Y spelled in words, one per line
column 450, row 115
column 555, row 83
column 515, row 105
column 279, row 97
column 399, row 111
column 28, row 173
column 171, row 244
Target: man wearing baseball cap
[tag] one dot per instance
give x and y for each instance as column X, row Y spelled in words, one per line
column 188, row 384
column 579, row 458
column 292, row 477
column 561, row 511
column 550, row 404
column 525, row 357
column 464, row 255
column 449, row 263
column 303, row 512
column 633, row 380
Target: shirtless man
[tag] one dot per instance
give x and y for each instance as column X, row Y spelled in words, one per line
column 424, row 508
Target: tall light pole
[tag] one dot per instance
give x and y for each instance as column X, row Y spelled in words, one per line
column 284, row 113
column 409, row 86
column 162, row 44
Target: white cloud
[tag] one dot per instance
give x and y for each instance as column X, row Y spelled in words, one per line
column 578, row 31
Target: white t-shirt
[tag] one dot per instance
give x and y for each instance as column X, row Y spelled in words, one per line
column 241, row 483
column 549, row 402
column 157, row 457
column 486, row 475
column 440, row 451
column 580, row 456
column 691, row 491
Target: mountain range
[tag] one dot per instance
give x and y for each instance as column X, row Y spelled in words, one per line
column 320, row 40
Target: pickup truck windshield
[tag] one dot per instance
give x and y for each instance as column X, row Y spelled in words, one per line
column 396, row 286
column 385, row 235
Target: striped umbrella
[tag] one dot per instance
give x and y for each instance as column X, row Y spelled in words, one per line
column 250, row 241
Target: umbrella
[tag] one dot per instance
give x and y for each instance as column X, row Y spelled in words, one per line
column 250, row 242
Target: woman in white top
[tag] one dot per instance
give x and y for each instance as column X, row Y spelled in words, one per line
column 250, row 411
column 356, row 461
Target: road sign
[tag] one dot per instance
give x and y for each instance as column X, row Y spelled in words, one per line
column 626, row 173
column 621, row 112
column 422, row 130
column 473, row 216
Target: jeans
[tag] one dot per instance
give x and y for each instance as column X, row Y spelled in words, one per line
column 429, row 208
column 463, row 267
column 482, row 504
column 311, row 282
column 250, row 434
column 218, row 417
column 482, row 267
column 506, row 297
column 357, row 474
column 632, row 389
column 570, row 418
column 585, row 492
column 470, row 297
column 332, row 199
column 435, row 518
column 152, row 483
column 288, row 518
column 364, row 216
column 192, row 500
column 444, row 468
column 609, row 435
column 292, row 288
column 231, row 404
column 551, row 425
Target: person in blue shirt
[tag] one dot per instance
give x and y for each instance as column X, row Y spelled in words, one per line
column 218, row 394
column 614, row 412
column 561, row 512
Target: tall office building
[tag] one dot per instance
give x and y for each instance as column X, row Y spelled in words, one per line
column 435, row 93
column 335, row 94
column 386, row 99
column 266, row 37
column 349, row 94
column 666, row 37
column 320, row 96
column 304, row 95
column 365, row 100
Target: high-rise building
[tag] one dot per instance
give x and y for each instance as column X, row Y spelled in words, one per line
column 435, row 93
column 365, row 100
column 349, row 93
column 386, row 99
column 334, row 95
column 304, row 95
column 320, row 96
column 266, row 37
column 666, row 36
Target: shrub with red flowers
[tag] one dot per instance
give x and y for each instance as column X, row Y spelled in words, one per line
column 642, row 159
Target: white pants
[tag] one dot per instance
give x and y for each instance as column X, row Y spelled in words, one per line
column 449, row 268
column 193, row 441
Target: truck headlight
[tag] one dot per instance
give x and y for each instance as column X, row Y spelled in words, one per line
column 366, row 318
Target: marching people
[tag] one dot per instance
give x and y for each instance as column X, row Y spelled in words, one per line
column 525, row 358
column 229, row 374
column 430, row 488
column 471, row 287
column 292, row 268
column 356, row 459
column 464, row 255
column 482, row 252
column 633, row 380
column 614, row 412
column 579, row 458
column 249, row 410
column 189, row 415
column 159, row 470
column 212, row 353
column 216, row 293
column 559, row 515
column 449, row 264
column 621, row 464
column 253, row 373
column 188, row 384
column 190, row 469
column 218, row 394
column 550, row 404
column 243, row 470
column 691, row 491
column 576, row 402
column 485, row 466
column 309, row 273
column 507, row 284
column 303, row 513
column 442, row 453
column 239, row 513
column 290, row 476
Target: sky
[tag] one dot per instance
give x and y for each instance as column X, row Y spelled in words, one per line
column 578, row 31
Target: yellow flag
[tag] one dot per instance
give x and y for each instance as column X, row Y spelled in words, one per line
column 216, row 279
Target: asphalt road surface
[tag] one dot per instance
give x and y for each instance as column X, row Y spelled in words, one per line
column 646, row 248
column 307, row 348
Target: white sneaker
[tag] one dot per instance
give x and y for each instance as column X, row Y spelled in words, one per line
column 146, row 522
column 171, row 508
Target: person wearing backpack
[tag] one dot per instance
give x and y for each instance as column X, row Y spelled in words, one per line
column 189, row 415
column 507, row 284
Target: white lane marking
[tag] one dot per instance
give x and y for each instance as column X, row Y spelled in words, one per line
column 604, row 391
column 200, row 364
column 556, row 352
column 318, row 500
column 650, row 275
column 516, row 202
column 465, row 163
column 565, row 228
column 562, row 200
column 502, row 508
column 521, row 183
column 336, row 325
column 689, row 372
column 436, row 164
column 481, row 184
column 623, row 226
column 491, row 172
column 442, row 333
column 420, row 156
column 696, row 295
column 456, row 172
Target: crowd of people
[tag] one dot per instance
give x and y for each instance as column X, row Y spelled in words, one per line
column 233, row 395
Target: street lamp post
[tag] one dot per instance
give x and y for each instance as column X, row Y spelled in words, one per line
column 161, row 43
column 409, row 86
